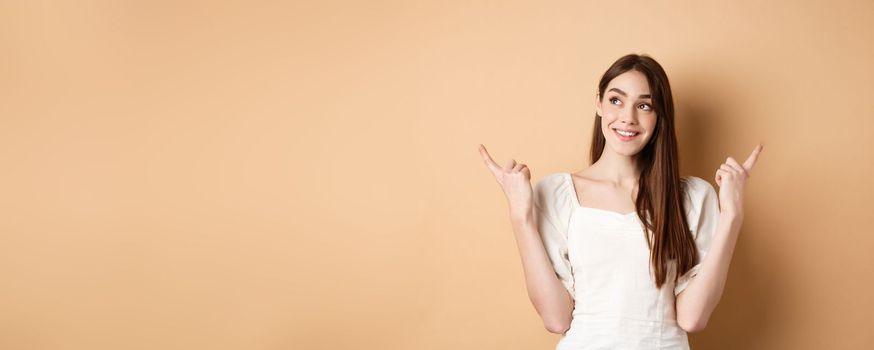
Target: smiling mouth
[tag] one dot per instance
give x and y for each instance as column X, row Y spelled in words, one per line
column 625, row 135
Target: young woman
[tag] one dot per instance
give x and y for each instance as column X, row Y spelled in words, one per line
column 626, row 253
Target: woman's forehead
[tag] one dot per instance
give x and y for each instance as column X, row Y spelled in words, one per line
column 630, row 83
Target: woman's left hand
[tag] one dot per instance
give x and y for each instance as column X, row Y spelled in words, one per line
column 731, row 178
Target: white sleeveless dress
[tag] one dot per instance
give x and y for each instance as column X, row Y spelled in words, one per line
column 602, row 258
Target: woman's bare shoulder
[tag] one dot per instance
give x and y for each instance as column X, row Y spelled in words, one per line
column 587, row 177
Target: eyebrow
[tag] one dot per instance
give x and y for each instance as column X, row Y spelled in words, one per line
column 626, row 95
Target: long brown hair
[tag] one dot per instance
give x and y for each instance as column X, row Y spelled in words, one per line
column 659, row 186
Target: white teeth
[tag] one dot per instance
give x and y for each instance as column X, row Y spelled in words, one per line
column 626, row 133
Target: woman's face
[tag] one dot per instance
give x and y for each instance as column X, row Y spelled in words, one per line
column 627, row 106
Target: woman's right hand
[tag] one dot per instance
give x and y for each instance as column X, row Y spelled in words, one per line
column 515, row 181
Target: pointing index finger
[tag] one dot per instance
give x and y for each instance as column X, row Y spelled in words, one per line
column 487, row 158
column 748, row 164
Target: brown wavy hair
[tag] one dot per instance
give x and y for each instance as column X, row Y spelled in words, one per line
column 659, row 186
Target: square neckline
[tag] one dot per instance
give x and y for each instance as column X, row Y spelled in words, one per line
column 570, row 178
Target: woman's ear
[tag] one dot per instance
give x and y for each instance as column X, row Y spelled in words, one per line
column 598, row 105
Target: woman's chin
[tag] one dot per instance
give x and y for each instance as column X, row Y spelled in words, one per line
column 626, row 151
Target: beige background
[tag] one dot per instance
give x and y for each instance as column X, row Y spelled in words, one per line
column 253, row 175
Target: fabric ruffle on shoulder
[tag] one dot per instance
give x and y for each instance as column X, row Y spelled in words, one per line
column 552, row 206
column 702, row 212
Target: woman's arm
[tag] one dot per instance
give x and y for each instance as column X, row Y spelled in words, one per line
column 551, row 299
column 547, row 292
column 697, row 301
column 695, row 304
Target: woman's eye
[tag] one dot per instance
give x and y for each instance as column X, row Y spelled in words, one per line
column 613, row 99
column 648, row 107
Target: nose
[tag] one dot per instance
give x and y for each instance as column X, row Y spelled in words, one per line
column 628, row 116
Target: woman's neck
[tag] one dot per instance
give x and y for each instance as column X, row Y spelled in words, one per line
column 617, row 169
